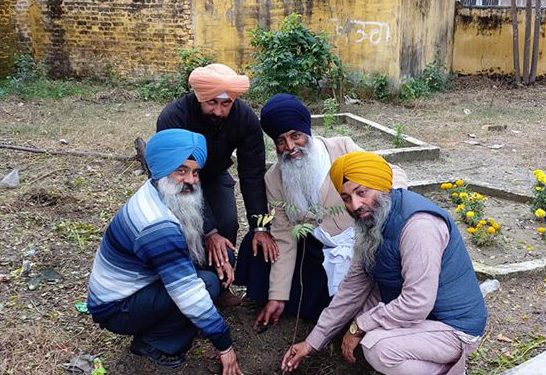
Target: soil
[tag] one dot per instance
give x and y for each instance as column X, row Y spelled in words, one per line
column 54, row 220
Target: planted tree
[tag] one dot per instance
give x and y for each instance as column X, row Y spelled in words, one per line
column 291, row 59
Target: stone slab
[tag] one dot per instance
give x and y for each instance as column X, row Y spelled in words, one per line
column 534, row 366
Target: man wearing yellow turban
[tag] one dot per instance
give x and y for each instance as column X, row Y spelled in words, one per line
column 228, row 124
column 411, row 295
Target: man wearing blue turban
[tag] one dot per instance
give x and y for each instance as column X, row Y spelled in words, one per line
column 148, row 279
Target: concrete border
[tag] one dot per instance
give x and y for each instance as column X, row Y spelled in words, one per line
column 501, row 271
column 416, row 149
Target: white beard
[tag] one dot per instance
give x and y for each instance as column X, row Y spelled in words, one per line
column 369, row 233
column 301, row 180
column 188, row 209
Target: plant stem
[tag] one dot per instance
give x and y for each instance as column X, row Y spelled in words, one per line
column 301, row 294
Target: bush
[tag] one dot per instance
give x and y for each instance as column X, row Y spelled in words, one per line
column 167, row 87
column 164, row 88
column 291, row 59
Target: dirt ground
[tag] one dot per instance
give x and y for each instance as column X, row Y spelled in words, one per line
column 53, row 222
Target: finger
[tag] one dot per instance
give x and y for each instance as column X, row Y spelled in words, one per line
column 220, row 273
column 286, row 359
column 259, row 319
column 218, row 259
column 254, row 247
column 225, row 254
column 210, row 254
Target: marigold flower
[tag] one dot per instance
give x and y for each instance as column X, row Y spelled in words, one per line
column 479, row 225
column 460, row 207
column 470, row 214
column 463, row 195
column 483, row 222
column 491, row 230
column 444, row 186
column 454, row 194
column 496, row 226
column 540, row 213
column 539, row 188
column 541, row 230
column 471, row 230
column 459, row 182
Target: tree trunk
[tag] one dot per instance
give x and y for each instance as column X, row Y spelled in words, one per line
column 536, row 38
column 515, row 42
column 527, row 45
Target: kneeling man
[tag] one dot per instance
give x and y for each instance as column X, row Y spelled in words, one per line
column 411, row 295
column 146, row 279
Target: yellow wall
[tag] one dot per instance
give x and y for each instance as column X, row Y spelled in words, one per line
column 368, row 34
column 483, row 41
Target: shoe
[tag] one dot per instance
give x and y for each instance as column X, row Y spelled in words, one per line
column 155, row 355
column 228, row 299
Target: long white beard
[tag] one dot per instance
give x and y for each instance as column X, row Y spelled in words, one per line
column 301, row 180
column 369, row 232
column 188, row 208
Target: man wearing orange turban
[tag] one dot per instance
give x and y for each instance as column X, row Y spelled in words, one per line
column 411, row 295
column 228, row 124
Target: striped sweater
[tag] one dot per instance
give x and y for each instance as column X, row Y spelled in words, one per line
column 144, row 243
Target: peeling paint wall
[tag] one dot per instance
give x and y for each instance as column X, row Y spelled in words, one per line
column 137, row 37
column 8, row 37
column 369, row 35
column 483, row 41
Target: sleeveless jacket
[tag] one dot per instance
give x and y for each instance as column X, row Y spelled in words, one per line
column 459, row 302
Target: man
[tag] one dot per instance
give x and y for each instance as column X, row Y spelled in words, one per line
column 411, row 292
column 300, row 181
column 147, row 279
column 228, row 124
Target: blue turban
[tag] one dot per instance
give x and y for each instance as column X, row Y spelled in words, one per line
column 283, row 113
column 169, row 149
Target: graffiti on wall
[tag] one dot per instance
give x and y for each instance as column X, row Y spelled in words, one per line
column 371, row 31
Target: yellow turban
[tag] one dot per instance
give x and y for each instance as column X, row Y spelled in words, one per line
column 216, row 79
column 363, row 168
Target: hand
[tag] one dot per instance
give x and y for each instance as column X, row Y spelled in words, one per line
column 269, row 246
column 226, row 274
column 295, row 355
column 348, row 346
column 272, row 311
column 217, row 246
column 230, row 366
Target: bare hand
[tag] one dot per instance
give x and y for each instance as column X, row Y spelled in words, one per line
column 348, row 346
column 272, row 311
column 226, row 274
column 217, row 246
column 230, row 366
column 269, row 246
column 295, row 355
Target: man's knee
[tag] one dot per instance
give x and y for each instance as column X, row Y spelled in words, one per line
column 211, row 282
column 382, row 357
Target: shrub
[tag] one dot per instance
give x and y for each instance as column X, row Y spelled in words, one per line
column 399, row 135
column 380, row 84
column 191, row 58
column 291, row 59
column 163, row 88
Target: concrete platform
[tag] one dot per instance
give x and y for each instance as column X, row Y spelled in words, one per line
column 534, row 366
column 415, row 149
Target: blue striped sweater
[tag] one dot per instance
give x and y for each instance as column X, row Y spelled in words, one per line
column 144, row 243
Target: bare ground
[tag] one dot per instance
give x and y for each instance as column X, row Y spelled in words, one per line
column 56, row 216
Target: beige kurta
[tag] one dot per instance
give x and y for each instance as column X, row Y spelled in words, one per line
column 280, row 278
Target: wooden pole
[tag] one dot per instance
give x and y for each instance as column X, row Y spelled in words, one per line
column 73, row 153
column 536, row 38
column 515, row 42
column 527, row 45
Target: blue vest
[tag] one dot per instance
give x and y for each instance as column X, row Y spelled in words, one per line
column 459, row 302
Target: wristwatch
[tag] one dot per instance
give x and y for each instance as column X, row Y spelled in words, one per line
column 354, row 330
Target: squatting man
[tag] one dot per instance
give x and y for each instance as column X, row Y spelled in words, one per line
column 411, row 295
column 148, row 278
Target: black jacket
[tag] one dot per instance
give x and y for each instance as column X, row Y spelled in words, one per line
column 240, row 131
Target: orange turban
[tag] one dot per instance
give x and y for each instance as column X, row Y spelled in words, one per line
column 215, row 79
column 363, row 168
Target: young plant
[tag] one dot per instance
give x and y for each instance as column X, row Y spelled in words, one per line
column 539, row 190
column 485, row 232
column 329, row 109
column 399, row 140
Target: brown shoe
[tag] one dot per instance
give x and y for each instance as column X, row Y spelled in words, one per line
column 227, row 299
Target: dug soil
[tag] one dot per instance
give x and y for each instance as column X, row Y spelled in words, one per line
column 51, row 224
